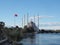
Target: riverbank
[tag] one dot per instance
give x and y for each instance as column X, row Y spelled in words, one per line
column 48, row 31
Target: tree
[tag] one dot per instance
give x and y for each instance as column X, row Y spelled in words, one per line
column 2, row 24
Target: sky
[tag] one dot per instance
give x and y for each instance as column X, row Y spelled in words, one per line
column 48, row 11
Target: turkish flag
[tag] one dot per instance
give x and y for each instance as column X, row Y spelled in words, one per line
column 15, row 15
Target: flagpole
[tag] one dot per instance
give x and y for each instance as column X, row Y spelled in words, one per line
column 14, row 19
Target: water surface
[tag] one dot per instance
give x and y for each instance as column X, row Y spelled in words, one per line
column 42, row 39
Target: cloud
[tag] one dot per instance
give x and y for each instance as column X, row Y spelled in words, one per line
column 41, row 17
column 50, row 24
column 51, row 27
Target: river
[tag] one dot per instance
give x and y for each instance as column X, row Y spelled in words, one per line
column 42, row 39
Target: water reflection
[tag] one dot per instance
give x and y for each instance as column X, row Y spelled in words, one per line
column 42, row 39
column 29, row 41
column 32, row 40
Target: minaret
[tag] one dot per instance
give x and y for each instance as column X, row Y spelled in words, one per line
column 34, row 18
column 24, row 19
column 38, row 20
column 27, row 17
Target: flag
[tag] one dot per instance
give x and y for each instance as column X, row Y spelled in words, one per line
column 15, row 15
